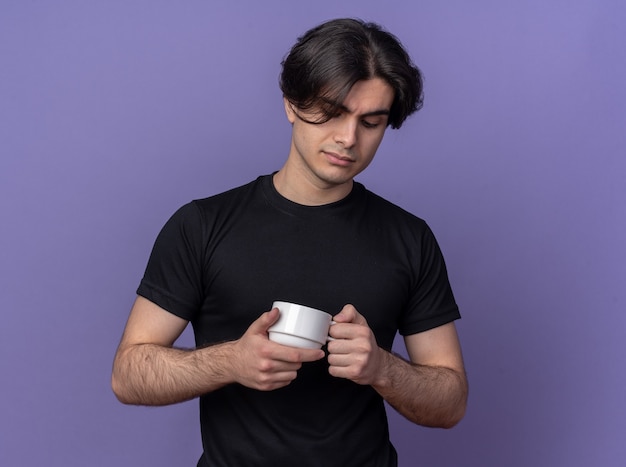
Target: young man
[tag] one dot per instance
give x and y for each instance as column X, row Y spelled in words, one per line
column 312, row 235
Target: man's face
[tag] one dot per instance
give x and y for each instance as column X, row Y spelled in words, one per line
column 331, row 154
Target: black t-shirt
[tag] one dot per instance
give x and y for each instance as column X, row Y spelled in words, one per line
column 220, row 262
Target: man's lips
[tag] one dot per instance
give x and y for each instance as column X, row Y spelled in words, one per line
column 338, row 159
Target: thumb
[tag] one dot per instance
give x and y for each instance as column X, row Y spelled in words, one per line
column 265, row 321
column 349, row 314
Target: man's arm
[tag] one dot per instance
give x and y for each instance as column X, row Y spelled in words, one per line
column 148, row 370
column 430, row 389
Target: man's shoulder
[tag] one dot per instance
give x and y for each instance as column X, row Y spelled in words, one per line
column 230, row 196
column 384, row 207
column 218, row 206
column 233, row 192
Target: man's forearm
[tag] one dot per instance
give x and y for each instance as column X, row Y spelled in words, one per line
column 148, row 374
column 426, row 395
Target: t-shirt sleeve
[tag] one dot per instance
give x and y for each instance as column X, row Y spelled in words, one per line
column 432, row 302
column 173, row 276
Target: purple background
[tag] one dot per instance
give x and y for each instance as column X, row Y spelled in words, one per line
column 113, row 114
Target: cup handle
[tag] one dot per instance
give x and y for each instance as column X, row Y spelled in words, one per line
column 328, row 337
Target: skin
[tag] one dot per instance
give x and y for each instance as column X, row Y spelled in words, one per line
column 429, row 389
column 324, row 158
column 148, row 370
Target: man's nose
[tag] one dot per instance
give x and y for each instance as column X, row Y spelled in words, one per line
column 346, row 133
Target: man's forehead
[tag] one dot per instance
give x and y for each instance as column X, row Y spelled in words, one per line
column 369, row 97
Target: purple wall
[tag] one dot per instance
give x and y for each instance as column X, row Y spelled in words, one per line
column 112, row 114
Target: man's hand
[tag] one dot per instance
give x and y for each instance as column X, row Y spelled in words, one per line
column 353, row 353
column 430, row 389
column 265, row 365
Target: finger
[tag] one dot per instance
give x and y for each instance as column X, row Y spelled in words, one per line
column 264, row 322
column 347, row 372
column 346, row 315
column 276, row 380
column 340, row 345
column 349, row 331
column 349, row 314
column 311, row 355
column 295, row 355
column 339, row 360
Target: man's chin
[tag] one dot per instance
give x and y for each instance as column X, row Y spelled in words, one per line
column 336, row 180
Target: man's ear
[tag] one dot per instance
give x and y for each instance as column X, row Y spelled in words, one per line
column 291, row 115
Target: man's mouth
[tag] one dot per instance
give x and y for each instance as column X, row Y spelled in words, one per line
column 338, row 159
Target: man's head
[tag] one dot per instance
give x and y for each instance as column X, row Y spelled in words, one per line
column 329, row 59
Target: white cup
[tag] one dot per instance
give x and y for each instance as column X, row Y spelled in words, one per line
column 300, row 326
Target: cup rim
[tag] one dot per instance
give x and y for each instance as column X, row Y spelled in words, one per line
column 274, row 305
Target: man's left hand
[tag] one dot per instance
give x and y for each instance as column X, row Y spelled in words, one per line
column 353, row 353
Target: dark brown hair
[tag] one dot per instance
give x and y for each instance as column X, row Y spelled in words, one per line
column 329, row 59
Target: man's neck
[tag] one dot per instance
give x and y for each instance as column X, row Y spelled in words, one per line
column 307, row 192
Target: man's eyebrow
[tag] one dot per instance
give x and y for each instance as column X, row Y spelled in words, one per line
column 371, row 113
column 342, row 108
column 376, row 112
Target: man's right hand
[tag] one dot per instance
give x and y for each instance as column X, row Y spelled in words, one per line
column 148, row 370
column 265, row 365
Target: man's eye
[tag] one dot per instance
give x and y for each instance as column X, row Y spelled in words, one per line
column 367, row 124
